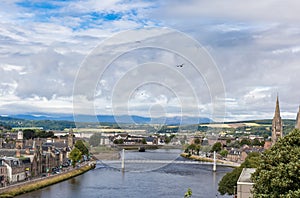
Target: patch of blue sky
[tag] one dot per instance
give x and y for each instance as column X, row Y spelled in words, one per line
column 106, row 16
column 41, row 5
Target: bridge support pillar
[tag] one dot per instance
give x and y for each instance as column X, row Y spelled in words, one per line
column 123, row 160
column 215, row 162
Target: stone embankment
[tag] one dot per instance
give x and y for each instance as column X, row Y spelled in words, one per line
column 35, row 184
column 207, row 159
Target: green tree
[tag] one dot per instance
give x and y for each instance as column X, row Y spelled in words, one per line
column 95, row 139
column 167, row 139
column 82, row 148
column 224, row 153
column 279, row 170
column 118, row 141
column 75, row 156
column 28, row 134
column 198, row 148
column 216, row 147
column 245, row 142
column 197, row 141
column 188, row 193
column 144, row 141
column 256, row 142
column 192, row 148
column 228, row 182
column 228, row 141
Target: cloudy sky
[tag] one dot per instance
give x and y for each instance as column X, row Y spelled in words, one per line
column 125, row 57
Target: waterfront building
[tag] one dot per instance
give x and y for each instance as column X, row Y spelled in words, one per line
column 297, row 126
column 15, row 169
column 3, row 174
column 276, row 124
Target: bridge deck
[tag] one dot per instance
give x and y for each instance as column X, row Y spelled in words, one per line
column 138, row 161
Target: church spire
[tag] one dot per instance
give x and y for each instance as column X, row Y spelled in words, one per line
column 276, row 124
column 277, row 110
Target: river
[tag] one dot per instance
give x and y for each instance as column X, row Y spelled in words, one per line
column 145, row 180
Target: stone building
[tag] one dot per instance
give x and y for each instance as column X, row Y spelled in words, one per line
column 276, row 124
column 3, row 174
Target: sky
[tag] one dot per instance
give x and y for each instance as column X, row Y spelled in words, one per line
column 217, row 59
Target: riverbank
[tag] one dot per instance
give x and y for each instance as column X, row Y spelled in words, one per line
column 207, row 159
column 28, row 186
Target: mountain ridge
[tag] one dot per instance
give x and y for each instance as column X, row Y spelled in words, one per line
column 128, row 119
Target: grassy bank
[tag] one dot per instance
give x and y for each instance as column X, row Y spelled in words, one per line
column 35, row 185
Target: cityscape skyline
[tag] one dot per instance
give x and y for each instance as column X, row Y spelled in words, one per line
column 44, row 45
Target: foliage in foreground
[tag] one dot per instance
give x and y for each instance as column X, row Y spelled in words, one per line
column 228, row 182
column 188, row 193
column 279, row 173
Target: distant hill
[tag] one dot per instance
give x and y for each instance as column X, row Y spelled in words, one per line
column 127, row 119
column 9, row 122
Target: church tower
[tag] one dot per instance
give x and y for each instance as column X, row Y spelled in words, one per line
column 276, row 124
column 19, row 141
column 297, row 126
column 71, row 139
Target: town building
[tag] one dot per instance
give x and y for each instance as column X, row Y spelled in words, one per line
column 276, row 124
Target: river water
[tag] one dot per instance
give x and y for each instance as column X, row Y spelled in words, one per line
column 144, row 180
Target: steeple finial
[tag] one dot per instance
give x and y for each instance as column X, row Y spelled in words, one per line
column 277, row 110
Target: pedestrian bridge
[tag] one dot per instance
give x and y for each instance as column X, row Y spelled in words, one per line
column 153, row 161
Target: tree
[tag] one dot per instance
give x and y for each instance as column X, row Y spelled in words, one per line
column 82, row 148
column 228, row 182
column 198, row 148
column 167, row 139
column 28, row 134
column 95, row 139
column 224, row 153
column 256, row 142
column 144, row 141
column 279, row 170
column 216, row 147
column 197, row 141
column 245, row 142
column 75, row 156
column 192, row 148
column 118, row 141
column 188, row 193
